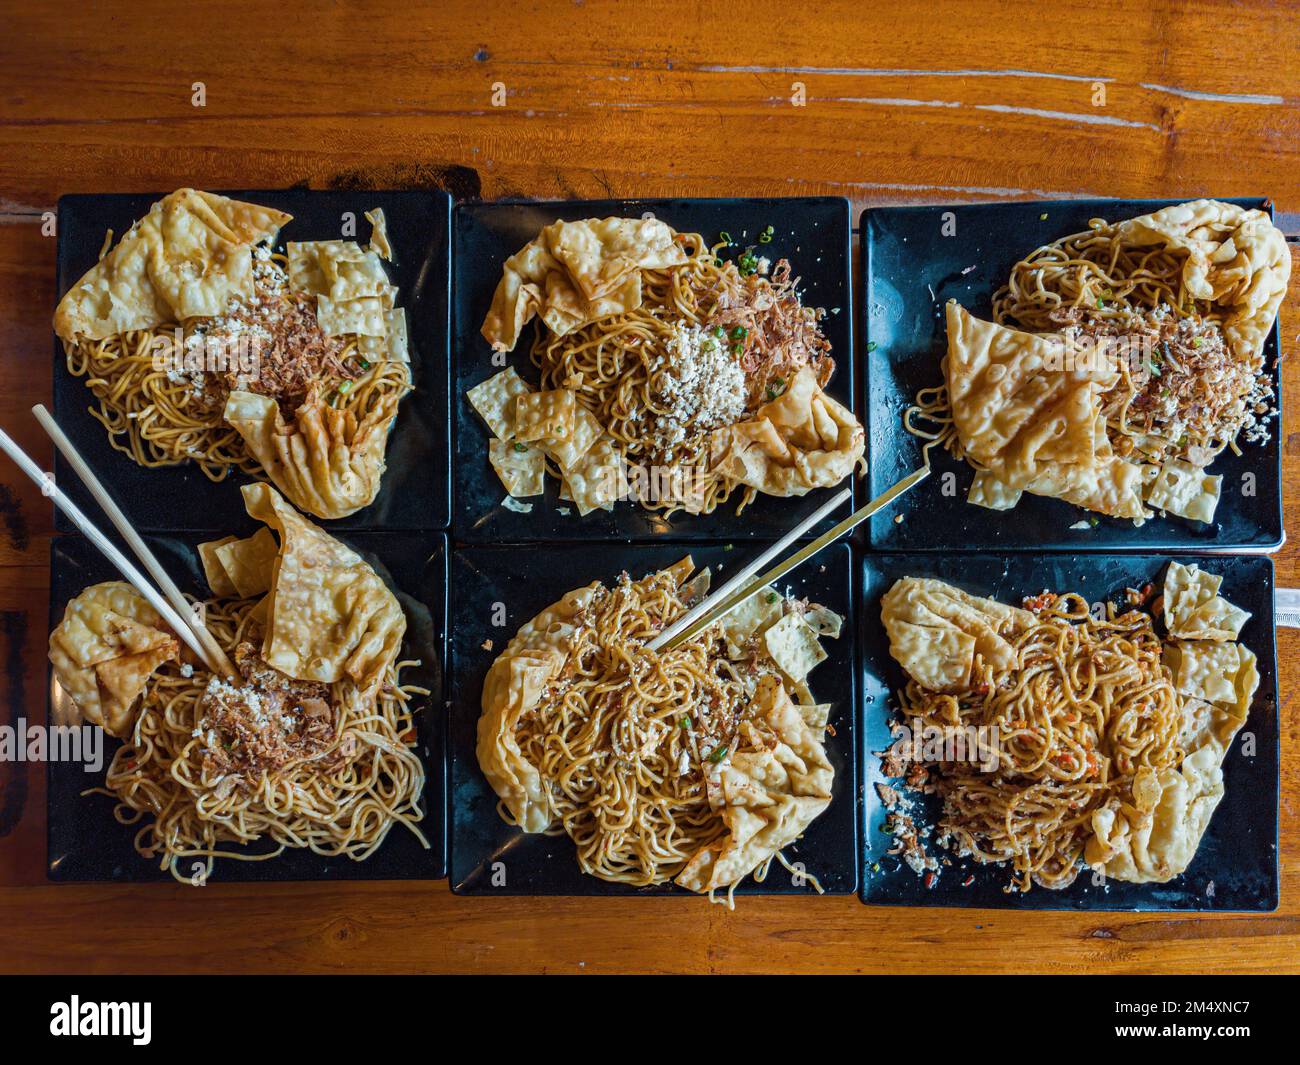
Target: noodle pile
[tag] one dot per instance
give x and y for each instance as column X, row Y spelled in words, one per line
column 1180, row 394
column 1086, row 705
column 632, row 370
column 161, row 413
column 341, row 799
column 623, row 736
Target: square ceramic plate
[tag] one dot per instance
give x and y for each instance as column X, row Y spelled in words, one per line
column 1236, row 865
column 911, row 269
column 812, row 233
column 492, row 593
column 415, row 490
column 86, row 842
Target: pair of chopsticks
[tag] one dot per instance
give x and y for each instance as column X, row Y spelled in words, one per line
column 744, row 584
column 169, row 602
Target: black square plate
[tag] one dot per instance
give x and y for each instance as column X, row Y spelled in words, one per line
column 812, row 233
column 415, row 492
column 85, row 841
column 1236, row 866
column 911, row 270
column 494, row 584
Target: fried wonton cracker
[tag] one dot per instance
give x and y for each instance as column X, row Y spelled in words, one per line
column 185, row 258
column 105, row 649
column 329, row 615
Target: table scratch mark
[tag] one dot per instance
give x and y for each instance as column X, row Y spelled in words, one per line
column 1216, row 97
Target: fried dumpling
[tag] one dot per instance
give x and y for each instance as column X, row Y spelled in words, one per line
column 574, row 273
column 799, row 441
column 186, row 257
column 1028, row 414
column 769, row 790
column 105, row 649
column 328, row 615
column 326, row 460
column 936, row 630
column 513, row 687
column 1155, row 837
column 1236, row 257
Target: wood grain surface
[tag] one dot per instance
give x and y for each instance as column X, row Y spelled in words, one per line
column 900, row 103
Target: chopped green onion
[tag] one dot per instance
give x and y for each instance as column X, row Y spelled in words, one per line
column 771, row 597
column 1043, row 217
column 719, row 332
column 718, row 754
column 685, row 723
column 345, row 387
column 521, row 448
column 365, row 364
column 725, row 237
column 739, row 333
column 766, row 236
column 871, row 346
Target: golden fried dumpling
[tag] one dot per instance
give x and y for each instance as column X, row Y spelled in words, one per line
column 105, row 649
column 326, row 460
column 1235, row 257
column 768, row 790
column 186, row 257
column 936, row 630
column 327, row 614
column 799, row 441
column 1154, row 836
column 514, row 687
column 1029, row 416
column 574, row 273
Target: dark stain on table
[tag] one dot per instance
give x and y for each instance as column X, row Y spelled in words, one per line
column 15, row 521
column 13, row 791
column 461, row 182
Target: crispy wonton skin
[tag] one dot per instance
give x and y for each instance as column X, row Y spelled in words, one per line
column 1236, row 257
column 575, row 273
column 800, row 441
column 326, row 460
column 1031, row 420
column 328, row 615
column 768, row 792
column 186, row 257
column 935, row 631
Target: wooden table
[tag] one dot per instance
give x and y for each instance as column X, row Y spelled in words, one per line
column 966, row 102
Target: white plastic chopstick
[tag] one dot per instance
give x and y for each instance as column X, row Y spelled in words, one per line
column 179, row 622
column 748, row 571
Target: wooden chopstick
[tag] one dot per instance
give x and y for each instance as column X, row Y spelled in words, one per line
column 174, row 596
column 723, row 602
column 176, row 619
column 743, row 575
